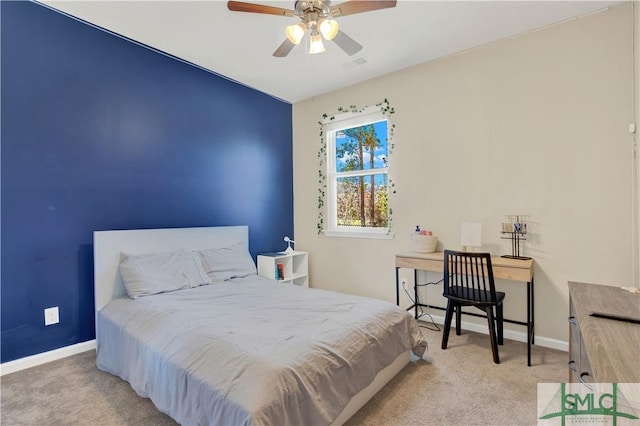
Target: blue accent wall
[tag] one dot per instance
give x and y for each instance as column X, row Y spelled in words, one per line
column 101, row 133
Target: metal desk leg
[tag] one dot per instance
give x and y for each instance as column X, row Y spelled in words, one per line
column 529, row 322
column 397, row 284
column 533, row 314
column 415, row 291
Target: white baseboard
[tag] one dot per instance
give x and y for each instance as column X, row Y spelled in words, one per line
column 38, row 359
column 518, row 336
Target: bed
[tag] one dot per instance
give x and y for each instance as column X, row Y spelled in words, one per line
column 240, row 349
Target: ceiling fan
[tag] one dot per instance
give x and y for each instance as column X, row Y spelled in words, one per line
column 316, row 19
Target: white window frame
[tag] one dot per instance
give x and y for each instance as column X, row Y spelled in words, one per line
column 332, row 125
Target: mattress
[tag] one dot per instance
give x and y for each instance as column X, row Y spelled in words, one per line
column 251, row 351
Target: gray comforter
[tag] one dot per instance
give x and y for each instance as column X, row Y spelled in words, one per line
column 252, row 351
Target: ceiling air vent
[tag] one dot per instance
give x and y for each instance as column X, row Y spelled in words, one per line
column 354, row 63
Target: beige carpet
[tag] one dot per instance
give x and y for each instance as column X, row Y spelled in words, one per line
column 461, row 386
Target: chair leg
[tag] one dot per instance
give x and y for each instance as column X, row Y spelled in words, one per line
column 500, row 321
column 492, row 334
column 458, row 320
column 447, row 324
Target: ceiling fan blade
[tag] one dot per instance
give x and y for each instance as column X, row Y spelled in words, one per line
column 352, row 7
column 238, row 6
column 346, row 43
column 284, row 49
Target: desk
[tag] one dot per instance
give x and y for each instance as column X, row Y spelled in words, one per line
column 503, row 268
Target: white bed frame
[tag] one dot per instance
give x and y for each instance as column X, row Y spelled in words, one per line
column 107, row 246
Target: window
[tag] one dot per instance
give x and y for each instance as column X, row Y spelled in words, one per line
column 357, row 174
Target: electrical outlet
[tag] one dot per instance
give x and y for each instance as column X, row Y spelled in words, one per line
column 51, row 316
column 403, row 282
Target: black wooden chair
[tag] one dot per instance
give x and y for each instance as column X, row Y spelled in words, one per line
column 468, row 281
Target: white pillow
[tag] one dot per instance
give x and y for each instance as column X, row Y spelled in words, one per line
column 146, row 274
column 224, row 263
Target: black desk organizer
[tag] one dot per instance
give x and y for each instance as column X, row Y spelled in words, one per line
column 516, row 229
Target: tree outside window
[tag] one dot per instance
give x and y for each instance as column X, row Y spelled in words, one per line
column 360, row 171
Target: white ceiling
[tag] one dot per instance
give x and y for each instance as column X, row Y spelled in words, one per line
column 240, row 45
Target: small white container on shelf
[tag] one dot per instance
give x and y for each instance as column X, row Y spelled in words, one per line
column 424, row 243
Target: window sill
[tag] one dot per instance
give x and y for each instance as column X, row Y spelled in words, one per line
column 381, row 234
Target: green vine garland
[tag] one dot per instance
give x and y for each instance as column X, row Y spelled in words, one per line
column 387, row 110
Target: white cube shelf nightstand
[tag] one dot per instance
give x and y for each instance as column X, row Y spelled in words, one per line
column 294, row 267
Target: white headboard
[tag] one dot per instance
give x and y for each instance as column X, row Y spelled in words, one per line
column 107, row 246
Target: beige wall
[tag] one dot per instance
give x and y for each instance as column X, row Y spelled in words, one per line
column 536, row 124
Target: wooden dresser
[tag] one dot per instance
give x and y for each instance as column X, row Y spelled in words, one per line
column 603, row 350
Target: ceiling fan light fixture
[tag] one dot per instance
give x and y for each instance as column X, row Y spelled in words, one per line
column 315, row 43
column 329, row 28
column 296, row 32
column 316, row 18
